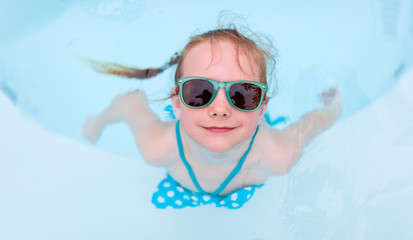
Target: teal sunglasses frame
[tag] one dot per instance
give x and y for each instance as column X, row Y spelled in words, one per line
column 225, row 85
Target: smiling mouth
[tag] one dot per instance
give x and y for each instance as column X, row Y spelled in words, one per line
column 219, row 129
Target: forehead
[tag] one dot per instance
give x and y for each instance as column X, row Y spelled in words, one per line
column 219, row 60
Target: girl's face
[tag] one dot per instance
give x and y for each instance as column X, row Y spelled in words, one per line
column 218, row 127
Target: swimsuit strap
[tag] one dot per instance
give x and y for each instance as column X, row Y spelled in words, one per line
column 234, row 172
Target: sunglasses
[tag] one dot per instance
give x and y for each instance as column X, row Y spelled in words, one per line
column 199, row 92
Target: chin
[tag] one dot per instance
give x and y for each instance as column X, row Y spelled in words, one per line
column 216, row 147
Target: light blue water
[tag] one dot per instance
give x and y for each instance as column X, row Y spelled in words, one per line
column 354, row 182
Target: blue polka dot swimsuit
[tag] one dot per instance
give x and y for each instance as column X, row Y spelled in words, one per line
column 171, row 194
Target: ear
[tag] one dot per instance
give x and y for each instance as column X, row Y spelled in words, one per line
column 176, row 102
column 263, row 109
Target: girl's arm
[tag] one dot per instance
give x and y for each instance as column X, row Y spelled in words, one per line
column 130, row 107
column 299, row 134
column 149, row 131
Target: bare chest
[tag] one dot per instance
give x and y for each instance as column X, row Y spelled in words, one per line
column 211, row 177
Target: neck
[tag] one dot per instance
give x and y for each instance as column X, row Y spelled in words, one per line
column 194, row 150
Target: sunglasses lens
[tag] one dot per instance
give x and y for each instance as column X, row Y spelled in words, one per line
column 245, row 96
column 197, row 93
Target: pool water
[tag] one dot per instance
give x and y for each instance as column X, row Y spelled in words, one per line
column 355, row 181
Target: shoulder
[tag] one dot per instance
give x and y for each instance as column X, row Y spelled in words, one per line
column 277, row 152
column 157, row 143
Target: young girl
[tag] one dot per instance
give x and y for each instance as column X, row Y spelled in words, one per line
column 218, row 150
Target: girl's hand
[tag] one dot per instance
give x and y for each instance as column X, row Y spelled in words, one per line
column 331, row 97
column 91, row 129
column 332, row 102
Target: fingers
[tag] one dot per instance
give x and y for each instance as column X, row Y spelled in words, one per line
column 331, row 92
column 330, row 96
column 90, row 131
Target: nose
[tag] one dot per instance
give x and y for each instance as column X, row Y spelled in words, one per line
column 220, row 107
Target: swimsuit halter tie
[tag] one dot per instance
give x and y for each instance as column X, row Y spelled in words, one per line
column 234, row 172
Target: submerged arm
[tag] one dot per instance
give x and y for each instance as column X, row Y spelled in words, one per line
column 130, row 107
column 300, row 134
column 148, row 130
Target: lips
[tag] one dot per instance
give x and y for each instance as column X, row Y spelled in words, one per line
column 219, row 129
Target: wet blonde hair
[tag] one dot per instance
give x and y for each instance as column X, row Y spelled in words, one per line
column 264, row 59
column 259, row 50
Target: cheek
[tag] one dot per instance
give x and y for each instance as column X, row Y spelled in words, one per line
column 190, row 115
column 251, row 119
column 190, row 121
